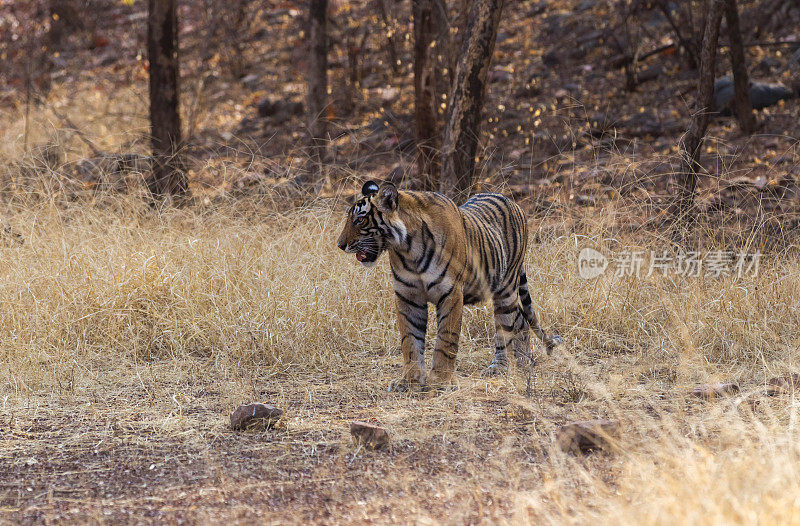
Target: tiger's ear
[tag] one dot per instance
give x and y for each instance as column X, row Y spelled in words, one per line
column 387, row 198
column 369, row 189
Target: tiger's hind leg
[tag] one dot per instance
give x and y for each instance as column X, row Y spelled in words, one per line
column 511, row 330
column 521, row 342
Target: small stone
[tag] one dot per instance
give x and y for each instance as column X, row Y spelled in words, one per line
column 369, row 435
column 245, row 414
column 712, row 391
column 587, row 435
column 785, row 384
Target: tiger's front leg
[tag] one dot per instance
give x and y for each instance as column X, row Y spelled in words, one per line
column 448, row 320
column 412, row 322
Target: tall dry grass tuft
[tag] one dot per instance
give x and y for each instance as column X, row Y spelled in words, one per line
column 727, row 466
column 92, row 287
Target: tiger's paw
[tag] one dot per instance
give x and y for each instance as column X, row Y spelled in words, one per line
column 553, row 342
column 440, row 381
column 408, row 381
column 495, row 369
column 401, row 385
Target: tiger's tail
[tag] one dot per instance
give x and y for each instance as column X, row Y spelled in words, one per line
column 530, row 316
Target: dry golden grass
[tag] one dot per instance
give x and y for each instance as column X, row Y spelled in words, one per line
column 128, row 336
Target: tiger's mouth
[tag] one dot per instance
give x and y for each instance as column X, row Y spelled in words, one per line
column 366, row 257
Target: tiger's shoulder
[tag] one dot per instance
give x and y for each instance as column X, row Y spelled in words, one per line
column 428, row 206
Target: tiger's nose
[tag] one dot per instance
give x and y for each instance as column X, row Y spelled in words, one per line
column 342, row 245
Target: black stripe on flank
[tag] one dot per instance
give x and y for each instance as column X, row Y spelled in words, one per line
column 502, row 210
column 489, row 210
column 441, row 315
column 413, row 336
column 509, row 328
column 452, row 342
column 470, row 299
column 506, row 290
column 519, row 321
column 501, row 300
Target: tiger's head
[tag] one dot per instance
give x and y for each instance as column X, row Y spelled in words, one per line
column 367, row 227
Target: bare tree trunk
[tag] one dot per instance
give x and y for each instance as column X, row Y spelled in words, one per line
column 692, row 142
column 427, row 141
column 317, row 97
column 741, row 82
column 457, row 29
column 391, row 44
column 464, row 109
column 168, row 177
column 443, row 53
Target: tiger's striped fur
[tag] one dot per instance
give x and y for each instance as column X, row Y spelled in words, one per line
column 450, row 257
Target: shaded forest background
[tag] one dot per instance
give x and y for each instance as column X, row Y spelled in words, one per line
column 584, row 100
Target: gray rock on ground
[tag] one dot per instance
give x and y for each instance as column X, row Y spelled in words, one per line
column 786, row 384
column 762, row 94
column 369, row 435
column 714, row 391
column 587, row 435
column 245, row 415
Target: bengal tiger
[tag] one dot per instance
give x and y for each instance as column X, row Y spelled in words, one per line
column 448, row 256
